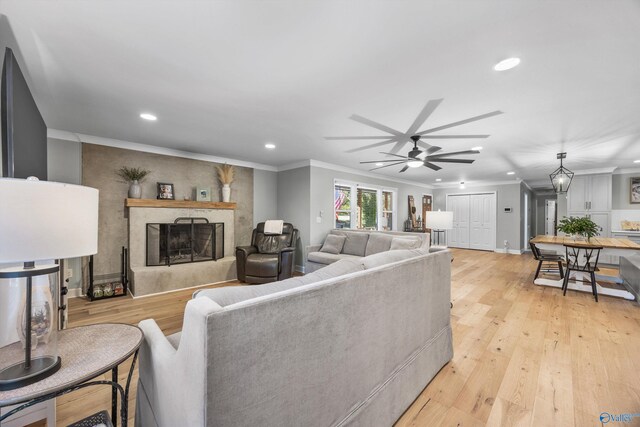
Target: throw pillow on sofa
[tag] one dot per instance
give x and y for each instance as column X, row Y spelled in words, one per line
column 404, row 243
column 333, row 244
column 356, row 243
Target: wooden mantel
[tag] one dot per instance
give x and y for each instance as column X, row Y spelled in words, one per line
column 188, row 204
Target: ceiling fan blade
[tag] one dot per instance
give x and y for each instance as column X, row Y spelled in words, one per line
column 439, row 160
column 386, row 166
column 430, row 148
column 431, row 166
column 461, row 122
column 399, row 145
column 454, row 136
column 393, row 154
column 404, row 168
column 424, row 115
column 366, row 147
column 380, row 161
column 347, row 138
column 455, row 153
column 376, row 125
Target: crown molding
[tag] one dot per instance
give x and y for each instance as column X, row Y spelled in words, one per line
column 593, row 171
column 331, row 166
column 476, row 184
column 626, row 170
column 116, row 143
column 295, row 165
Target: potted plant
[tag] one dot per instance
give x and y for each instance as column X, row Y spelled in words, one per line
column 225, row 175
column 579, row 226
column 134, row 177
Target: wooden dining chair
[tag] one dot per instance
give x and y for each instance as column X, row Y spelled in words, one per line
column 548, row 258
column 582, row 258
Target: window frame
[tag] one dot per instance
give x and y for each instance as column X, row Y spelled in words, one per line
column 354, row 186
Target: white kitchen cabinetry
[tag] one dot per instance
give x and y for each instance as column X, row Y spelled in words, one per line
column 590, row 195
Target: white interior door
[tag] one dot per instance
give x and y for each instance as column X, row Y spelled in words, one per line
column 482, row 221
column 550, row 218
column 459, row 235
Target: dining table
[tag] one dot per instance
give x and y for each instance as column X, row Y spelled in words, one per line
column 580, row 281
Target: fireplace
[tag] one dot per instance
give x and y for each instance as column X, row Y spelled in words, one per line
column 184, row 241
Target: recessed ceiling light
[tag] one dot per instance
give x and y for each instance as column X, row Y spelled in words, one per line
column 148, row 116
column 269, row 146
column 636, row 161
column 438, row 179
column 414, row 163
column 511, row 173
column 379, row 164
column 506, row 64
column 477, row 148
column 461, row 184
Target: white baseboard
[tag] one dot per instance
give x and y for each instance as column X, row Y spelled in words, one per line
column 509, row 251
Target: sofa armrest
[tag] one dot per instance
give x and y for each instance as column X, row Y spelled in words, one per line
column 246, row 250
column 285, row 263
column 309, row 249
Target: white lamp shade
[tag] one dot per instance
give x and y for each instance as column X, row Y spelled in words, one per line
column 439, row 220
column 42, row 220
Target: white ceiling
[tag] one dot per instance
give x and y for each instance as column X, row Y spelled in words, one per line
column 226, row 77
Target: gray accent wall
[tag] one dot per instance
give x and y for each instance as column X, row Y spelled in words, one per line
column 507, row 195
column 265, row 195
column 99, row 167
column 294, row 198
column 621, row 187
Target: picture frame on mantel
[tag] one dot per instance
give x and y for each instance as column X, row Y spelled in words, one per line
column 203, row 194
column 634, row 190
column 166, row 191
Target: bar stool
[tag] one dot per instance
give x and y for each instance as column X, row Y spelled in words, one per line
column 583, row 259
column 546, row 257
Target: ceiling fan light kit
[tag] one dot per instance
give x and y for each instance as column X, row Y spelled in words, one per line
column 561, row 177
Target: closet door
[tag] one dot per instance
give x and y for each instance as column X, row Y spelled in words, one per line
column 482, row 214
column 459, row 235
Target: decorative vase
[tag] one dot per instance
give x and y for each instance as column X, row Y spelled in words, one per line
column 135, row 190
column 226, row 193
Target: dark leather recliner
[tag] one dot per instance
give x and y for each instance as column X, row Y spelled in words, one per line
column 270, row 256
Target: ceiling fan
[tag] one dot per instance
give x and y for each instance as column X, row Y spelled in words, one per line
column 416, row 157
column 400, row 139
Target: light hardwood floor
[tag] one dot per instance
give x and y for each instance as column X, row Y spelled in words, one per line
column 524, row 355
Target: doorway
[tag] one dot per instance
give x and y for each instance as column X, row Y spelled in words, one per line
column 550, row 218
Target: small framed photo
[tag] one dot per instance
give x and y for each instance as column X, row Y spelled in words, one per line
column 203, row 194
column 634, row 190
column 165, row 191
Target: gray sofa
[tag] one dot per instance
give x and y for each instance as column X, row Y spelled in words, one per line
column 630, row 273
column 359, row 243
column 352, row 344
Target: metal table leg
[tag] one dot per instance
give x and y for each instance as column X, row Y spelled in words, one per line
column 114, row 398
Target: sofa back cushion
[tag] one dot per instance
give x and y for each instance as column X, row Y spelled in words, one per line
column 388, row 257
column 378, row 242
column 404, row 243
column 356, row 243
column 333, row 244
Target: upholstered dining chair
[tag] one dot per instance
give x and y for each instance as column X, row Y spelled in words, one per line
column 548, row 259
column 584, row 259
column 270, row 256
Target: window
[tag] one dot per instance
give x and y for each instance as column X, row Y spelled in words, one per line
column 363, row 207
column 342, row 206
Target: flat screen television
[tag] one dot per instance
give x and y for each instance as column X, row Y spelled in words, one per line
column 24, row 133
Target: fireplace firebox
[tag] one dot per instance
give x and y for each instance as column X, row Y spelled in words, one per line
column 183, row 241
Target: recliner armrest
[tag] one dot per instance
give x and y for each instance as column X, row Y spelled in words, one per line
column 247, row 250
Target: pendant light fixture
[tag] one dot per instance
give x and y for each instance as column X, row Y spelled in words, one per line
column 561, row 177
